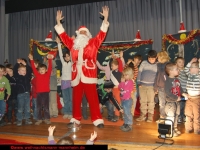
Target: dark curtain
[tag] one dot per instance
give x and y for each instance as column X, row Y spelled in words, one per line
column 2, row 31
column 152, row 17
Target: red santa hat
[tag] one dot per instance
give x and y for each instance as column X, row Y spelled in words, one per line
column 49, row 37
column 83, row 28
column 54, row 53
column 182, row 28
column 137, row 37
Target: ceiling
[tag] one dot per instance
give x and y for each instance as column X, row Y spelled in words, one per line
column 12, row 6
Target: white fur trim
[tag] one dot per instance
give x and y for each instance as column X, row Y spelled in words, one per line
column 74, row 120
column 48, row 39
column 59, row 29
column 137, row 40
column 98, row 121
column 181, row 31
column 104, row 26
column 85, row 79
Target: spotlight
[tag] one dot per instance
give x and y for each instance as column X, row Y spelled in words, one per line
column 166, row 131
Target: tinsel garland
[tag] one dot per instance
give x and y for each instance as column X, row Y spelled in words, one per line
column 171, row 39
column 125, row 46
column 108, row 47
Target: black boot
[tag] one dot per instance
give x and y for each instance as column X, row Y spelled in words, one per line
column 101, row 125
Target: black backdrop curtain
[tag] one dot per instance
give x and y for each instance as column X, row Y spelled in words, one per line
column 2, row 31
column 152, row 17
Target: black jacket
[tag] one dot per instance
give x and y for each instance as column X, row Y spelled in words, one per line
column 13, row 86
column 23, row 82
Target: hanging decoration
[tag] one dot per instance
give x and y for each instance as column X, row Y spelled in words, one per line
column 183, row 39
column 125, row 46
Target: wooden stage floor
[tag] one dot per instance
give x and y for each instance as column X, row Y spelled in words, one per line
column 142, row 137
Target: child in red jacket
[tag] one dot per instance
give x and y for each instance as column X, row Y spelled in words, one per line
column 42, row 88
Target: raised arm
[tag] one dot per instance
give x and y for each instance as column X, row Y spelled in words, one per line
column 104, row 27
column 67, row 40
column 60, row 50
column 35, row 72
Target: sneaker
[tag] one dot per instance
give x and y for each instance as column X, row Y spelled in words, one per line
column 112, row 119
column 188, row 131
column 150, row 117
column 9, row 122
column 69, row 117
column 177, row 131
column 65, row 116
column 116, row 118
column 47, row 121
column 55, row 116
column 184, row 119
column 179, row 120
column 38, row 122
column 123, row 126
column 28, row 122
column 197, row 132
column 19, row 123
column 141, row 118
column 175, row 134
column 127, row 128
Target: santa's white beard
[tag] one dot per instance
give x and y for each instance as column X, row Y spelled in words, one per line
column 80, row 41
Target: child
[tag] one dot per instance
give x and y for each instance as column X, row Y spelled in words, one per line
column 42, row 88
column 12, row 101
column 115, row 78
column 192, row 108
column 145, row 79
column 33, row 92
column 22, row 74
column 173, row 93
column 183, row 80
column 134, row 64
column 53, row 107
column 126, row 86
column 4, row 84
column 67, row 140
column 66, row 81
column 106, row 98
column 159, row 83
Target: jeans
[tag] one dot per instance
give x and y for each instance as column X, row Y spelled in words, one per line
column 43, row 103
column 34, row 107
column 84, row 107
column 12, row 105
column 2, row 107
column 67, row 99
column 182, row 109
column 128, row 117
column 162, row 101
column 23, row 104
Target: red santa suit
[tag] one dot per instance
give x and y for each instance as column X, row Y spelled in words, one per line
column 84, row 73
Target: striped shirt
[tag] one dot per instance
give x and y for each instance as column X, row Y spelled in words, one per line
column 147, row 73
column 193, row 82
column 183, row 79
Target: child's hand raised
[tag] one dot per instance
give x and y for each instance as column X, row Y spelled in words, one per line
column 30, row 56
column 193, row 60
column 93, row 136
column 19, row 61
column 49, row 56
column 121, row 110
column 51, row 130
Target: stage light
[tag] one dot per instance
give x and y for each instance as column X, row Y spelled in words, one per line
column 165, row 131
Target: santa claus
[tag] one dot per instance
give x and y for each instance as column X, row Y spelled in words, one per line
column 84, row 50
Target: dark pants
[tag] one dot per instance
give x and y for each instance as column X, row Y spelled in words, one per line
column 23, row 104
column 42, row 102
column 12, row 106
column 182, row 109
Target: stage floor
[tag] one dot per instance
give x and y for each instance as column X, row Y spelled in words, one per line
column 143, row 136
